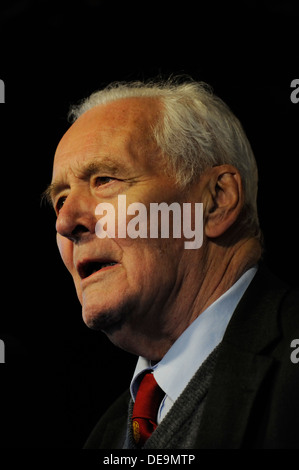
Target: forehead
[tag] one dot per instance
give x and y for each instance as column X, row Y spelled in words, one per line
column 120, row 129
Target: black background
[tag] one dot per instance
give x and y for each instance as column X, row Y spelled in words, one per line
column 59, row 376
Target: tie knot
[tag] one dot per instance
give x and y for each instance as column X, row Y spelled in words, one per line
column 146, row 407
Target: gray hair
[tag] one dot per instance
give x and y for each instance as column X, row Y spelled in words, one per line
column 197, row 130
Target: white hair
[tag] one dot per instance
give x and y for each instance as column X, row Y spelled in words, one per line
column 197, row 130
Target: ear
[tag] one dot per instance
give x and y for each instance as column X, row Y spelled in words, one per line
column 224, row 199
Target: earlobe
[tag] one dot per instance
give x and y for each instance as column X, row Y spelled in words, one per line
column 225, row 200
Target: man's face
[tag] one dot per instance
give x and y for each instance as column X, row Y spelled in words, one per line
column 127, row 287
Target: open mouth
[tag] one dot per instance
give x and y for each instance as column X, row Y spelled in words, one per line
column 88, row 268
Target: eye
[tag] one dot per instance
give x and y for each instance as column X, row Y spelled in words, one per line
column 102, row 180
column 60, row 203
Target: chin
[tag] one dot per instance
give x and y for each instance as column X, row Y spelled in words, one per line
column 115, row 324
column 101, row 321
column 108, row 319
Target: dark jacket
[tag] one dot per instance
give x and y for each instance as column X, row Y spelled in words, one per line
column 253, row 398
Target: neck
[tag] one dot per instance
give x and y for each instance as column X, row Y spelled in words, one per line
column 219, row 268
column 223, row 268
column 216, row 271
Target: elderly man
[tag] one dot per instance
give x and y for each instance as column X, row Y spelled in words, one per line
column 211, row 326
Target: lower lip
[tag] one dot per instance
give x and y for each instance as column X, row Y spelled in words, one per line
column 96, row 273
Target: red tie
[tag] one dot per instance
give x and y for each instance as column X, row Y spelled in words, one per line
column 145, row 409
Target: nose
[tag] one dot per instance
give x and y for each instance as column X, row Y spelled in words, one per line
column 76, row 218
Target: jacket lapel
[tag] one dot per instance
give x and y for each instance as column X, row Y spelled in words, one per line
column 231, row 398
column 243, row 364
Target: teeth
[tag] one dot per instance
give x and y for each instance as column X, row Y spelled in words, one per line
column 92, row 267
column 107, row 264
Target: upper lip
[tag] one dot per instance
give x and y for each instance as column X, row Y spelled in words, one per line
column 87, row 267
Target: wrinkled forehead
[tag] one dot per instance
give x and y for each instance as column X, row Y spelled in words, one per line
column 120, row 126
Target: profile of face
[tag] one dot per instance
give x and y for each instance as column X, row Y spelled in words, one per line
column 128, row 288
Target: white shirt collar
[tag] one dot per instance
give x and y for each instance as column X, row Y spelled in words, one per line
column 195, row 344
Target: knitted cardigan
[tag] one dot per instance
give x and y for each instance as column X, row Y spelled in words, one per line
column 179, row 428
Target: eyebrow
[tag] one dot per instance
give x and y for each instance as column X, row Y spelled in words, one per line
column 107, row 167
column 49, row 194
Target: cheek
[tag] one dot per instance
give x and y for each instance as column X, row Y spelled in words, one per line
column 66, row 251
column 65, row 248
column 153, row 262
